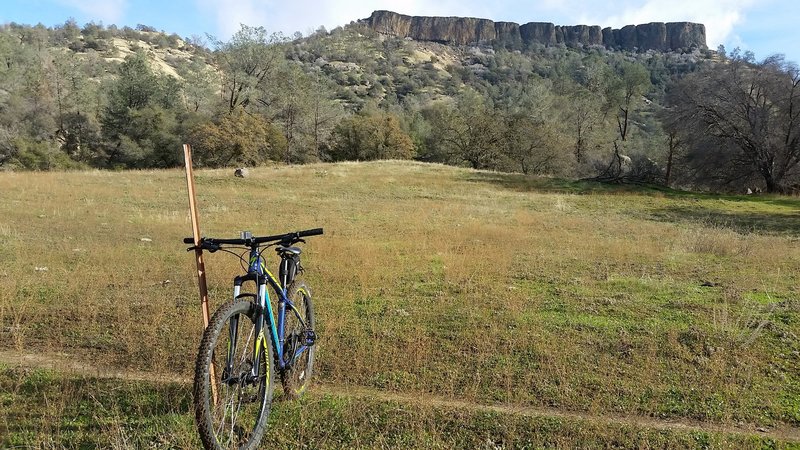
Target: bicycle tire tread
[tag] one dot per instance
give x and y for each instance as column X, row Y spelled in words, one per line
column 199, row 390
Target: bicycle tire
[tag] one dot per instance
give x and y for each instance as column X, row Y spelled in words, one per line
column 238, row 418
column 296, row 379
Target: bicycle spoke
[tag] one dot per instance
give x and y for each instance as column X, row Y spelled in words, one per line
column 298, row 352
column 238, row 418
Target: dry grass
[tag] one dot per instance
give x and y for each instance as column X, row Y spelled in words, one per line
column 476, row 286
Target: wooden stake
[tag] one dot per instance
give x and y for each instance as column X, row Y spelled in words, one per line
column 198, row 252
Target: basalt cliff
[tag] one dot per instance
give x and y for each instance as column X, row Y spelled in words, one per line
column 674, row 36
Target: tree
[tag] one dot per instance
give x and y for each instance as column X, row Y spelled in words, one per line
column 529, row 143
column 136, row 85
column 140, row 123
column 471, row 132
column 200, row 85
column 7, row 148
column 324, row 113
column 238, row 138
column 673, row 145
column 289, row 101
column 369, row 136
column 583, row 116
column 530, row 138
column 76, row 111
column 624, row 94
column 247, row 61
column 742, row 120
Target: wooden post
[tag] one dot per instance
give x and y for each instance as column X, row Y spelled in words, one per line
column 198, row 252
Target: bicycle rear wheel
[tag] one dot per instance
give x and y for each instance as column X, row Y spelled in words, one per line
column 231, row 406
column 299, row 332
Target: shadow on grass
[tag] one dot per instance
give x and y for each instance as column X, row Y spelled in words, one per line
column 82, row 406
column 740, row 222
column 530, row 183
column 527, row 183
column 784, row 220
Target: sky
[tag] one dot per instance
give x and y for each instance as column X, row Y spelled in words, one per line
column 764, row 27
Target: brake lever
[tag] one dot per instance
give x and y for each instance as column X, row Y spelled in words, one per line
column 205, row 246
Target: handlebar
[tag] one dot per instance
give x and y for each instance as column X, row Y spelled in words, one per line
column 213, row 244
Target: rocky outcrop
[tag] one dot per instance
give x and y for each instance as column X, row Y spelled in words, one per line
column 676, row 36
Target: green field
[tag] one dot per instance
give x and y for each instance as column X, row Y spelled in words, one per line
column 476, row 290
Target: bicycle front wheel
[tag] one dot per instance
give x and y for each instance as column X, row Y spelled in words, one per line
column 232, row 401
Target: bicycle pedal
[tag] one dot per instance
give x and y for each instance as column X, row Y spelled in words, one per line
column 311, row 337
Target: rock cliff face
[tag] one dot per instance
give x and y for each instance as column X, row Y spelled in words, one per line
column 676, row 36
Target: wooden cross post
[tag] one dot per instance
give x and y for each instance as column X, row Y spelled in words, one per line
column 198, row 252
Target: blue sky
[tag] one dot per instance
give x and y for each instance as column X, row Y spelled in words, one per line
column 761, row 26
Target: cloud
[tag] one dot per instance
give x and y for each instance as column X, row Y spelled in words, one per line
column 229, row 14
column 750, row 24
column 107, row 11
column 719, row 16
column 307, row 15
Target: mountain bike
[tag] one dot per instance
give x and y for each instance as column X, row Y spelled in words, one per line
column 238, row 360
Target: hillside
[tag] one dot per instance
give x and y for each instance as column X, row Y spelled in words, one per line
column 568, row 101
column 521, row 311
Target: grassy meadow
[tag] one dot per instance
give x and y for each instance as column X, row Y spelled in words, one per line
column 430, row 281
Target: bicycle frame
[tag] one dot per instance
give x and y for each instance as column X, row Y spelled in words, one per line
column 259, row 274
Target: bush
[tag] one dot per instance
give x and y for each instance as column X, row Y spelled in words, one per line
column 40, row 155
column 371, row 136
column 238, row 139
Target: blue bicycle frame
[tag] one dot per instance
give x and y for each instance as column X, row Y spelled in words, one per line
column 258, row 273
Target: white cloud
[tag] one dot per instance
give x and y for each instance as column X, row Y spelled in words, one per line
column 229, row 14
column 307, row 15
column 107, row 11
column 719, row 16
column 765, row 26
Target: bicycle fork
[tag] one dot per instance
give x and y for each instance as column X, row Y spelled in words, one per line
column 263, row 319
column 259, row 345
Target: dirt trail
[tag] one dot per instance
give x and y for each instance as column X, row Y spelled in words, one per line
column 63, row 363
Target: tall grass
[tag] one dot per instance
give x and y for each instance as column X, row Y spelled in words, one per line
column 431, row 279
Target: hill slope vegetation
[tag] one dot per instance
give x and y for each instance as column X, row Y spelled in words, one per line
column 96, row 96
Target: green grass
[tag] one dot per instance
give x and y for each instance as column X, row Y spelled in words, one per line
column 106, row 413
column 481, row 287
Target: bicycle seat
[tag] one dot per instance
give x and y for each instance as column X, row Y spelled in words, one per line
column 291, row 250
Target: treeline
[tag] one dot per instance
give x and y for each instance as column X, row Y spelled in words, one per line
column 69, row 99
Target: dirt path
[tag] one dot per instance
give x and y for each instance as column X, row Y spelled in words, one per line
column 63, row 363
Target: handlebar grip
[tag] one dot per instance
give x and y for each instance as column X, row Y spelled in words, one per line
column 189, row 240
column 312, row 232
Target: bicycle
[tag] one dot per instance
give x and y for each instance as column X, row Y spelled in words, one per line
column 236, row 363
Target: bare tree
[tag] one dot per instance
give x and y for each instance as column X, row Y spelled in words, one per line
column 530, row 143
column 471, row 132
column 625, row 94
column 742, row 120
column 674, row 143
